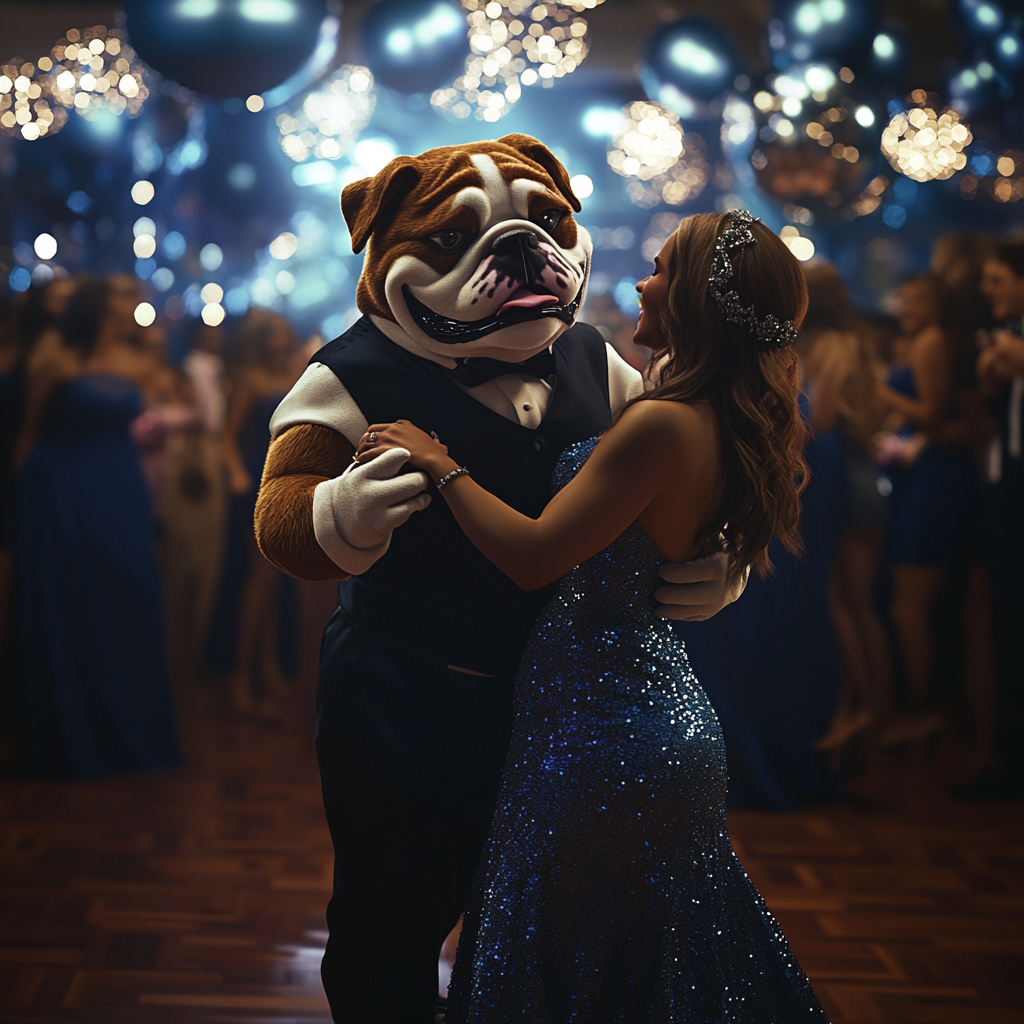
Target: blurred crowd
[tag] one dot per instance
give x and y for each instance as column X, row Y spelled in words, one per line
column 127, row 557
column 904, row 617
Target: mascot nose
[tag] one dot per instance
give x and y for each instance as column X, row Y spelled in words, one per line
column 512, row 241
column 517, row 254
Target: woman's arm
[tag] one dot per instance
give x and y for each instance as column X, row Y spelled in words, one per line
column 630, row 465
column 932, row 381
column 242, row 396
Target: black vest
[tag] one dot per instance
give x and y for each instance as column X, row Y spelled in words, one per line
column 433, row 592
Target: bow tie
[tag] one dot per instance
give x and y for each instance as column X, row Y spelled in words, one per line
column 473, row 371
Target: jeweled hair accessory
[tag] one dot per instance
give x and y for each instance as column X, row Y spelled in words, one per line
column 736, row 237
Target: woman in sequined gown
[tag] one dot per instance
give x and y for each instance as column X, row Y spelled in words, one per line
column 609, row 889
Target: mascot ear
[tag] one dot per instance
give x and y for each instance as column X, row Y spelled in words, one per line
column 369, row 202
column 536, row 151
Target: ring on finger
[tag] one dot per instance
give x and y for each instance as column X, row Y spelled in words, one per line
column 372, row 437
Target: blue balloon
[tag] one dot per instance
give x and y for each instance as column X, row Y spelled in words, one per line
column 689, row 64
column 803, row 30
column 415, row 45
column 225, row 48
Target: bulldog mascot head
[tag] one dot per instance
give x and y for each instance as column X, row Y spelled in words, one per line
column 470, row 250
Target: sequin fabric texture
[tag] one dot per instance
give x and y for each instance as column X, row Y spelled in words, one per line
column 609, row 889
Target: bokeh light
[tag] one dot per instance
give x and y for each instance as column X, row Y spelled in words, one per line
column 284, row 246
column 27, row 107
column 211, row 256
column 143, row 192
column 924, row 145
column 802, row 248
column 96, row 72
column 515, row 43
column 254, row 103
column 144, row 246
column 145, row 314
column 45, row 246
column 582, row 186
column 330, row 118
column 213, row 314
column 647, row 142
column 648, row 147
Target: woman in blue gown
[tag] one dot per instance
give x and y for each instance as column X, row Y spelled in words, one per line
column 94, row 690
column 254, row 631
column 934, row 493
column 609, row 889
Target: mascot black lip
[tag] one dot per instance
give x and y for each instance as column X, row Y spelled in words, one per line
column 473, row 255
column 453, row 332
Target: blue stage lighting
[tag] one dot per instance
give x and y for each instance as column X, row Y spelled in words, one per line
column 601, row 122
column 842, row 30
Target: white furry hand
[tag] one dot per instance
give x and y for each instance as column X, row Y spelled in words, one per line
column 369, row 501
column 700, row 588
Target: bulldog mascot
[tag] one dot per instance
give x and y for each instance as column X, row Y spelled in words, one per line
column 474, row 272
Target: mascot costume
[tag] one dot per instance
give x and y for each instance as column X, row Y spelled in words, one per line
column 474, row 272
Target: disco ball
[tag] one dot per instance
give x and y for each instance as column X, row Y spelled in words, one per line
column 689, row 63
column 95, row 72
column 803, row 30
column 412, row 45
column 514, row 43
column 330, row 119
column 225, row 49
column 27, row 107
column 925, row 145
column 812, row 137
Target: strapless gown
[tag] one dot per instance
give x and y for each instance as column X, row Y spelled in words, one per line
column 94, row 694
column 609, row 889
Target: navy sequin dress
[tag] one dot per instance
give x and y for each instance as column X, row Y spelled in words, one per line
column 609, row 889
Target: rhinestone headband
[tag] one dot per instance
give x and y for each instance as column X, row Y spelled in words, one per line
column 736, row 237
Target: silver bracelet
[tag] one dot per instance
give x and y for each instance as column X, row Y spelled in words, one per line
column 449, row 477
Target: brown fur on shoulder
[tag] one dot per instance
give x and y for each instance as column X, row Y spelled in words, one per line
column 297, row 461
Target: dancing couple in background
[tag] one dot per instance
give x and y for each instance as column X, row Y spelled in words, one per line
column 608, row 889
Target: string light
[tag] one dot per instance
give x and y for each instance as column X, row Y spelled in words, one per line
column 27, row 109
column 924, row 145
column 95, row 71
column 331, row 118
column 515, row 43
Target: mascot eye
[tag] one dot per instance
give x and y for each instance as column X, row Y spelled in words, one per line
column 447, row 240
column 550, row 219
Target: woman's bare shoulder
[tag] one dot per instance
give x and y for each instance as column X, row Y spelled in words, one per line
column 652, row 419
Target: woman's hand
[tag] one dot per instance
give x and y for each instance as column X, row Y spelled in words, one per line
column 425, row 450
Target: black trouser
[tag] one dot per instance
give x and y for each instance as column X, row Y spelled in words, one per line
column 410, row 764
column 1006, row 538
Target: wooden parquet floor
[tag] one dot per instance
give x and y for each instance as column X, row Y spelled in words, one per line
column 198, row 895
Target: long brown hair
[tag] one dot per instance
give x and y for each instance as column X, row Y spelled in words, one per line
column 752, row 386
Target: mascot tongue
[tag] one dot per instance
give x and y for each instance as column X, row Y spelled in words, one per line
column 524, row 298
